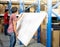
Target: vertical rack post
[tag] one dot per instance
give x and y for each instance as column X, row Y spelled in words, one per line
column 49, row 32
column 21, row 10
column 9, row 6
column 21, row 6
column 38, row 11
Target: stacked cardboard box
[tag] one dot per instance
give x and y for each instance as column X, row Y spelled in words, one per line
column 59, row 38
column 2, row 9
column 32, row 9
column 43, row 32
column 1, row 25
column 55, row 38
column 15, row 6
column 55, row 35
column 59, row 9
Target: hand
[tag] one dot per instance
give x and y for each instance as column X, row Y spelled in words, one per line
column 20, row 17
column 21, row 14
column 16, row 34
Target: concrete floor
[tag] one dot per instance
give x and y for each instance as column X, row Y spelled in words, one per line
column 4, row 42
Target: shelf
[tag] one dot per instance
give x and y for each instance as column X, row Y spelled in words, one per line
column 1, row 15
column 6, row 2
column 16, row 2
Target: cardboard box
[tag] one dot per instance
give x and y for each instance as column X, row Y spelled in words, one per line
column 2, row 9
column 1, row 25
column 43, row 32
column 55, row 38
column 59, row 39
column 43, row 36
column 55, row 35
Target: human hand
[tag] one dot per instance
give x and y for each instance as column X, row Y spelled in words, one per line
column 21, row 15
column 16, row 34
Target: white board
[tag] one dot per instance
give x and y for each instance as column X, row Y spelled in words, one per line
column 29, row 25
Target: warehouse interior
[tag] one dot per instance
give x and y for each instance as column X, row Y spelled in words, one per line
column 31, row 8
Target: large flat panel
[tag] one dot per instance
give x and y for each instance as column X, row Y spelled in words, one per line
column 29, row 25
